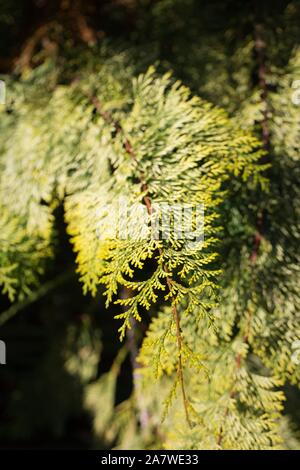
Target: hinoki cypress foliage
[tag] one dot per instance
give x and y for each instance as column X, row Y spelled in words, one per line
column 96, row 139
column 97, row 132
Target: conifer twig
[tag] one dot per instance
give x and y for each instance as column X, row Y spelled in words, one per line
column 35, row 296
column 147, row 200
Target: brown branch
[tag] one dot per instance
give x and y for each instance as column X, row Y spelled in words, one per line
column 86, row 33
column 28, row 50
column 69, row 16
column 147, row 200
column 257, row 239
column 133, row 351
column 260, row 53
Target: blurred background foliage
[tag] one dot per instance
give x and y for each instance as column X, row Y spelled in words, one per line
column 68, row 382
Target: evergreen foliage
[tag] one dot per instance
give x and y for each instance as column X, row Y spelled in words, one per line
column 83, row 132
